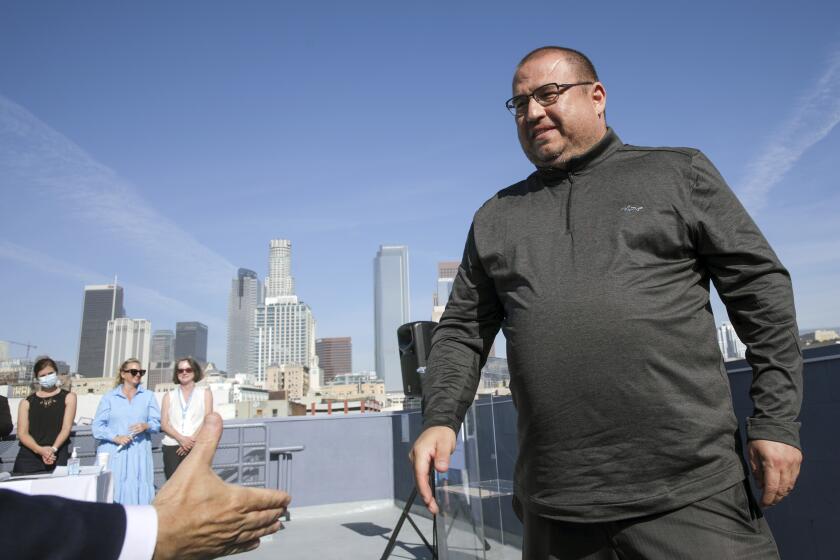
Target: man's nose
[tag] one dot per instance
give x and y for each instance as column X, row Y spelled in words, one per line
column 534, row 111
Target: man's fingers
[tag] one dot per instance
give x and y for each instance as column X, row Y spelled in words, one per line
column 258, row 520
column 239, row 548
column 441, row 457
column 772, row 478
column 261, row 499
column 421, row 479
column 206, row 442
column 255, row 534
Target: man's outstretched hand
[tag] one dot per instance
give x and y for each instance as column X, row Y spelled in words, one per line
column 200, row 516
column 775, row 467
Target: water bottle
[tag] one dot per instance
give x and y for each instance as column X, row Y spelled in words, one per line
column 73, row 464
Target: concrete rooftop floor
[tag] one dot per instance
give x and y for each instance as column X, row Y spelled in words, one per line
column 361, row 531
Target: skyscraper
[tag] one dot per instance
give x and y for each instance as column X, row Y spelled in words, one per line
column 730, row 345
column 285, row 335
column 447, row 270
column 280, row 282
column 126, row 338
column 191, row 340
column 335, row 356
column 163, row 346
column 284, row 327
column 390, row 310
column 246, row 293
column 101, row 304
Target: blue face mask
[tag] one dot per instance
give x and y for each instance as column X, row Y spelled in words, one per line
column 48, row 381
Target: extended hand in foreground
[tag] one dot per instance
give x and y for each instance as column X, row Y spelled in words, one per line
column 775, row 467
column 435, row 444
column 200, row 516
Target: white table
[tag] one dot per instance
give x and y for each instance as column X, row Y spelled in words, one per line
column 90, row 486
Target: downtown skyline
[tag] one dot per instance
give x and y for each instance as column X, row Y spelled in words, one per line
column 170, row 157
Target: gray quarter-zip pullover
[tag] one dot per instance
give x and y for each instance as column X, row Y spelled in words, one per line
column 599, row 277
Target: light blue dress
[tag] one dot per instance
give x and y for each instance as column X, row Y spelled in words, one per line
column 131, row 466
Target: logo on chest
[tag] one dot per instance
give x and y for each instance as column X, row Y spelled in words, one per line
column 632, row 209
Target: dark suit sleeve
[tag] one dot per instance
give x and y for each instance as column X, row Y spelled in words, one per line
column 5, row 418
column 52, row 528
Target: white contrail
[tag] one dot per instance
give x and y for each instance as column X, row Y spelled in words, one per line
column 33, row 156
column 816, row 114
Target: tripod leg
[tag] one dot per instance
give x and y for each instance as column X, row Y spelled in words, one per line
column 392, row 542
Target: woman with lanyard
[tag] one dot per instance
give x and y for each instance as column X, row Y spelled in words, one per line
column 184, row 409
column 123, row 426
column 44, row 421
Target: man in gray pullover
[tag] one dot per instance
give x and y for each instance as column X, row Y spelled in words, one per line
column 597, row 267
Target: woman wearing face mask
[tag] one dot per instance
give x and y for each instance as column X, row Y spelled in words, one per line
column 183, row 412
column 44, row 421
column 124, row 422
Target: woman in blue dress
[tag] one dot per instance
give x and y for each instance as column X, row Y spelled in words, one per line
column 124, row 422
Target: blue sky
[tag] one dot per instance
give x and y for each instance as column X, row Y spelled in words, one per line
column 168, row 142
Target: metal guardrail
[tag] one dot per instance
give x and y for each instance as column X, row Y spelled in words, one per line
column 245, row 461
column 284, row 468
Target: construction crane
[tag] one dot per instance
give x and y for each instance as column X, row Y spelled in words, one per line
column 28, row 346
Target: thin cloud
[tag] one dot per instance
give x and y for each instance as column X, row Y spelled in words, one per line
column 814, row 117
column 149, row 299
column 35, row 156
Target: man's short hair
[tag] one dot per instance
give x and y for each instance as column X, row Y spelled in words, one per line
column 585, row 68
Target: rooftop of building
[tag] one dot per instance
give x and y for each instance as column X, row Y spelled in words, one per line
column 349, row 476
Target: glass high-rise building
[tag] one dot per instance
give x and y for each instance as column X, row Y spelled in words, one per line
column 284, row 327
column 101, row 304
column 163, row 346
column 126, row 338
column 285, row 335
column 730, row 345
column 447, row 270
column 280, row 281
column 246, row 293
column 191, row 340
column 390, row 310
column 335, row 356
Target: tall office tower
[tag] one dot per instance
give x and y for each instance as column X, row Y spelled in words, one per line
column 335, row 356
column 280, row 282
column 731, row 346
column 447, row 270
column 191, row 340
column 163, row 346
column 126, row 338
column 246, row 293
column 390, row 310
column 101, row 304
column 159, row 372
column 4, row 350
column 284, row 335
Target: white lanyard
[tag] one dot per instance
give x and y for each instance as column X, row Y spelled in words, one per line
column 184, row 407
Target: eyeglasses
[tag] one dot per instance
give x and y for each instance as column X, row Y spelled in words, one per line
column 184, row 370
column 545, row 95
column 140, row 372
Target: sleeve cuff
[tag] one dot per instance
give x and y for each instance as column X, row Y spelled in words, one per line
column 774, row 430
column 141, row 528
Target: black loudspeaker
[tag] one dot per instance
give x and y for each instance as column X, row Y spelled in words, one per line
column 415, row 342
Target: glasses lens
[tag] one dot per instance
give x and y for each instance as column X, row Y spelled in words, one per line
column 547, row 94
column 140, row 372
column 185, row 370
column 517, row 105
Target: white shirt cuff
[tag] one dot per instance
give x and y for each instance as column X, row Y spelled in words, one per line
column 141, row 528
